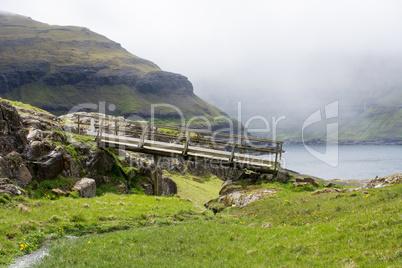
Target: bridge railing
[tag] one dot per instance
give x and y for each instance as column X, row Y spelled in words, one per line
column 100, row 124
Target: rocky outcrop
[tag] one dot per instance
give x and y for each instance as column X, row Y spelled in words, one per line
column 244, row 197
column 6, row 187
column 86, row 187
column 159, row 82
column 12, row 132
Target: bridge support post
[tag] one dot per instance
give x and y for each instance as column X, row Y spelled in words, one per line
column 155, row 175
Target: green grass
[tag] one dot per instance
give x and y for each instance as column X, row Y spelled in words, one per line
column 197, row 189
column 24, row 219
column 24, row 105
column 290, row 229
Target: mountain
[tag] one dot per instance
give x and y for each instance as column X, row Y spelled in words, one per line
column 58, row 67
column 372, row 116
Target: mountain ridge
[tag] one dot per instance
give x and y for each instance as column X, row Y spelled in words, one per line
column 59, row 67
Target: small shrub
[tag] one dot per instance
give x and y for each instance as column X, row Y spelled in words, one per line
column 3, row 200
column 74, row 194
column 6, row 196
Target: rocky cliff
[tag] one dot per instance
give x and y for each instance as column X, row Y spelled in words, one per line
column 57, row 68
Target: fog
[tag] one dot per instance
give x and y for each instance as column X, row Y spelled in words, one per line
column 273, row 56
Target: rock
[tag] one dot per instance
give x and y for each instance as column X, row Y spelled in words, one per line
column 57, row 136
column 225, row 184
column 40, row 148
column 267, row 177
column 168, row 186
column 160, row 82
column 240, row 175
column 308, row 180
column 48, row 167
column 382, row 182
column 35, row 135
column 17, row 169
column 243, row 198
column 100, row 163
column 70, row 167
column 283, row 176
column 331, row 190
column 59, row 192
column 328, row 184
column 254, row 176
column 6, row 187
column 12, row 132
column 86, row 187
column 299, row 184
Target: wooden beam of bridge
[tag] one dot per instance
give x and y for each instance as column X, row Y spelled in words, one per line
column 183, row 145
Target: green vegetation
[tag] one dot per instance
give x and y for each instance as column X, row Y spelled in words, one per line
column 21, row 220
column 28, row 44
column 355, row 229
column 24, row 105
column 198, row 190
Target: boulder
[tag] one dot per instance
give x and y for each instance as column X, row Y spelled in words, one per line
column 35, row 135
column 308, row 180
column 6, row 187
column 283, row 176
column 100, row 162
column 40, row 148
column 12, row 132
column 85, row 187
column 48, row 167
column 299, row 184
column 59, row 192
column 17, row 170
column 167, row 186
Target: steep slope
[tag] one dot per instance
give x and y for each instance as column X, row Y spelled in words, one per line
column 59, row 67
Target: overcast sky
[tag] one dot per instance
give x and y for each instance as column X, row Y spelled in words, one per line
column 242, row 50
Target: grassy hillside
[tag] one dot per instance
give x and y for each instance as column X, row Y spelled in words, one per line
column 58, row 67
column 291, row 228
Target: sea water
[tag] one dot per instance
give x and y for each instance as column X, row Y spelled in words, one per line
column 357, row 162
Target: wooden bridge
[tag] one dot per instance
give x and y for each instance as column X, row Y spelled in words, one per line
column 238, row 151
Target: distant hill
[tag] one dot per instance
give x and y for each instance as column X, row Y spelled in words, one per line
column 364, row 117
column 58, row 67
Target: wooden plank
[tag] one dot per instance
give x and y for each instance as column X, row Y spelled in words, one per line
column 187, row 143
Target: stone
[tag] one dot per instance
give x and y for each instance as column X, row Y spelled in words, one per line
column 168, row 186
column 48, row 167
column 299, row 184
column 40, row 148
column 35, row 135
column 12, row 132
column 225, row 186
column 328, row 184
column 22, row 175
column 267, row 177
column 308, row 180
column 59, row 192
column 254, row 176
column 244, row 197
column 240, row 175
column 283, row 176
column 6, row 187
column 86, row 187
column 17, row 169
column 100, row 162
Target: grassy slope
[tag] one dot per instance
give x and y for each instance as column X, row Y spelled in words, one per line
column 24, row 40
column 291, row 228
column 190, row 187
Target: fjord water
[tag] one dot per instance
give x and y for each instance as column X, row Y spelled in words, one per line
column 356, row 162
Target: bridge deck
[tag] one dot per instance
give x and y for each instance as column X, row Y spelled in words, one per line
column 194, row 152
